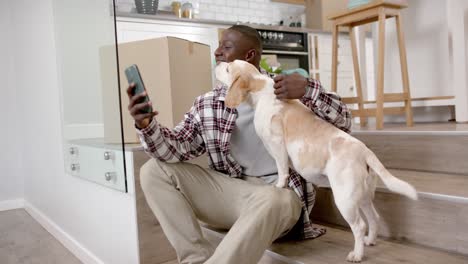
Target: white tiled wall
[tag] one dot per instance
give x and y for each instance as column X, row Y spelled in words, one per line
column 252, row 11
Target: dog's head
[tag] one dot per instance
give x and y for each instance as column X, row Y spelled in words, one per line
column 239, row 76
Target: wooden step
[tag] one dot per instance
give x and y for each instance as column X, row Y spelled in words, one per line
column 333, row 247
column 215, row 236
column 439, row 219
column 435, row 151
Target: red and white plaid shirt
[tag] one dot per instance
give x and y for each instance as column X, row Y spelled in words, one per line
column 208, row 125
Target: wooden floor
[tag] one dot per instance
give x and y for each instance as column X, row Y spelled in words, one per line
column 446, row 127
column 265, row 260
column 24, row 241
column 215, row 237
column 334, row 246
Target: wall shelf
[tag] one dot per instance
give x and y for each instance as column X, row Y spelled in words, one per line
column 296, row 2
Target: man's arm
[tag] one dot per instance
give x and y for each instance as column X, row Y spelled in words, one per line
column 327, row 105
column 182, row 143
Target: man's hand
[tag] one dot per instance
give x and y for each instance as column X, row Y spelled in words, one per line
column 292, row 86
column 142, row 120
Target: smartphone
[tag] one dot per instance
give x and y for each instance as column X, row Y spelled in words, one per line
column 133, row 76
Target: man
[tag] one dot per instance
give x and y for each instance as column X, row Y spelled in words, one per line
column 236, row 192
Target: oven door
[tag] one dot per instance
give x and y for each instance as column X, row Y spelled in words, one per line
column 288, row 60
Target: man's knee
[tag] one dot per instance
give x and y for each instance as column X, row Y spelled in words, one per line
column 151, row 172
column 283, row 202
column 290, row 203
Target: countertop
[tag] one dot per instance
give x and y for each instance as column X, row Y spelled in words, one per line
column 101, row 143
column 167, row 16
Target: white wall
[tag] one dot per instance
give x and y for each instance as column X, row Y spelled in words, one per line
column 426, row 33
column 465, row 18
column 465, row 14
column 425, row 29
column 86, row 217
column 11, row 110
column 457, row 13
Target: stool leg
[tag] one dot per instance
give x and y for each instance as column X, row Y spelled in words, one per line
column 404, row 71
column 357, row 76
column 316, row 57
column 334, row 57
column 380, row 72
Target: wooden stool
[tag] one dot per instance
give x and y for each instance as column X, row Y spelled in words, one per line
column 378, row 10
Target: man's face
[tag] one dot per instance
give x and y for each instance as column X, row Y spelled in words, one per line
column 231, row 47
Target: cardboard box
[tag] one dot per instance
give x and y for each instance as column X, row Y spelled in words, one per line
column 317, row 12
column 175, row 71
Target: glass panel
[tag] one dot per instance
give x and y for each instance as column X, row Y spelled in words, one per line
column 87, row 61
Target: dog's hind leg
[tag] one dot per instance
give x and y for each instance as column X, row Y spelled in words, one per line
column 351, row 214
column 372, row 217
column 348, row 196
column 369, row 211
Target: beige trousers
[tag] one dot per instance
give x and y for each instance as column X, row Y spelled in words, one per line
column 256, row 214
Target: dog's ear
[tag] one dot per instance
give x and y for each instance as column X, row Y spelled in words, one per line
column 237, row 92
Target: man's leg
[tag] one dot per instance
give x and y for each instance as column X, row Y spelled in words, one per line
column 266, row 214
column 181, row 193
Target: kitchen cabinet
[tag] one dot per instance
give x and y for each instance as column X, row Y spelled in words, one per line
column 320, row 50
column 321, row 56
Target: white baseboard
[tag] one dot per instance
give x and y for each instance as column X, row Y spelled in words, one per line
column 11, row 204
column 83, row 254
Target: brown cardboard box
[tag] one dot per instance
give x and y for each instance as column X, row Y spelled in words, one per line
column 175, row 71
column 317, row 12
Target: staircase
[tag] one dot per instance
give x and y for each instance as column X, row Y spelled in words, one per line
column 433, row 229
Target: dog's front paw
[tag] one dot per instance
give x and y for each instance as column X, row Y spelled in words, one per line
column 352, row 257
column 282, row 181
column 369, row 241
column 281, row 184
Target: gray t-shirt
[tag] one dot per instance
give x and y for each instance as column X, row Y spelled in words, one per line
column 248, row 149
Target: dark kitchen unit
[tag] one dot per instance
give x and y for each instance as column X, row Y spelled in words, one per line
column 290, row 48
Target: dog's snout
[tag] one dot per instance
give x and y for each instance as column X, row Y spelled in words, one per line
column 220, row 71
column 220, row 66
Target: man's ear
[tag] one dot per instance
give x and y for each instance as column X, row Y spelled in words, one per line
column 251, row 55
column 237, row 92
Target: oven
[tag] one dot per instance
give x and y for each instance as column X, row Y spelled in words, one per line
column 289, row 49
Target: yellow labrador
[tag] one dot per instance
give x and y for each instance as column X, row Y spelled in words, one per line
column 295, row 137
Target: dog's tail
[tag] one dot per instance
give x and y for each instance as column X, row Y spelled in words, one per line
column 392, row 183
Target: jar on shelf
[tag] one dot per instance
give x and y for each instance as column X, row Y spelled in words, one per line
column 187, row 10
column 196, row 8
column 177, row 8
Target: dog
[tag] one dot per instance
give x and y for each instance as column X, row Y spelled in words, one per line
column 295, row 137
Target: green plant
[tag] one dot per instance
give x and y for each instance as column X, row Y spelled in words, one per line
column 264, row 65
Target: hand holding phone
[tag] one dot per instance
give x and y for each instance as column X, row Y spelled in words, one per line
column 139, row 106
